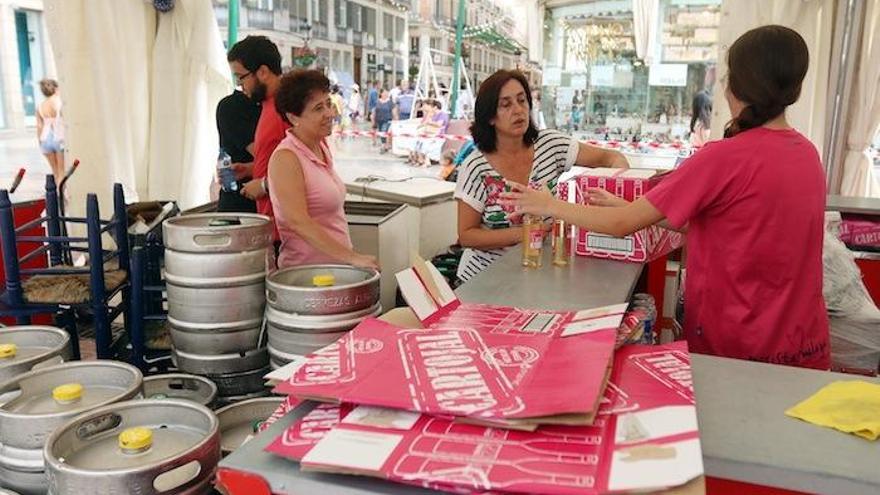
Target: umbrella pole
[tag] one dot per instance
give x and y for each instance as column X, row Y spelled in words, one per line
column 457, row 65
column 232, row 24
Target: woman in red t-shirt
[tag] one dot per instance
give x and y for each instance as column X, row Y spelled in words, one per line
column 753, row 207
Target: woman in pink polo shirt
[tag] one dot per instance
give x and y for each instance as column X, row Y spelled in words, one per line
column 752, row 205
column 307, row 195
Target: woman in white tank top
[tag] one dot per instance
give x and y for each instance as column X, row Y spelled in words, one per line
column 50, row 128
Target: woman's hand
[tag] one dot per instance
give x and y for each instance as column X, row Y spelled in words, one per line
column 254, row 189
column 527, row 200
column 364, row 261
column 601, row 197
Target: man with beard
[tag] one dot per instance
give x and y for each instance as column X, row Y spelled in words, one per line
column 256, row 64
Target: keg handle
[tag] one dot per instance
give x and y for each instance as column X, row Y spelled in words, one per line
column 49, row 362
column 176, row 477
column 212, row 240
column 264, row 338
column 95, row 426
column 183, row 384
column 271, row 296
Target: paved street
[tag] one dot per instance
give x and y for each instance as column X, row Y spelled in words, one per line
column 356, row 155
column 20, row 149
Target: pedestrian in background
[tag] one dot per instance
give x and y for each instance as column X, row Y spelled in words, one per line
column 372, row 99
column 355, row 102
column 50, row 128
column 701, row 119
column 381, row 117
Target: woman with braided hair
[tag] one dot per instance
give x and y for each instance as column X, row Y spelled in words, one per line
column 753, row 207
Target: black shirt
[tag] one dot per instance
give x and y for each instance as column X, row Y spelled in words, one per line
column 237, row 117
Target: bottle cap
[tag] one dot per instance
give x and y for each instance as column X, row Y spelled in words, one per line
column 137, row 438
column 8, row 351
column 325, row 280
column 68, row 392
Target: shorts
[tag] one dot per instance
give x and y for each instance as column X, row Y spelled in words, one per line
column 50, row 144
column 383, row 127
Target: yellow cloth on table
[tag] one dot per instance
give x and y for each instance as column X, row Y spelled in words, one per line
column 851, row 407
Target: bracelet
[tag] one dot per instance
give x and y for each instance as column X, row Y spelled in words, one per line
column 264, row 185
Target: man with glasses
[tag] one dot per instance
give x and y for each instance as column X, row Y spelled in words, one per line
column 256, row 64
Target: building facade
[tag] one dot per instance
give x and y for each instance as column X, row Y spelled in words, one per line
column 355, row 40
column 25, row 59
column 432, row 31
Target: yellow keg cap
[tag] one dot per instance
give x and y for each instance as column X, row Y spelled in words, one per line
column 325, row 280
column 67, row 392
column 137, row 438
column 8, row 350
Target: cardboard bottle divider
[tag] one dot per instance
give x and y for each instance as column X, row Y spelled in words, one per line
column 645, row 437
column 514, row 379
column 489, row 364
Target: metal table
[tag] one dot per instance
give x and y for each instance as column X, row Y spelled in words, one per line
column 747, row 437
column 848, row 204
column 284, row 476
column 744, row 433
column 584, row 283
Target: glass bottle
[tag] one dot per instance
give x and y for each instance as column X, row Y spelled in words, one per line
column 533, row 241
column 561, row 242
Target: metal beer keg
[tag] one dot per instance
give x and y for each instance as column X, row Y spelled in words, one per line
column 149, row 447
column 35, row 404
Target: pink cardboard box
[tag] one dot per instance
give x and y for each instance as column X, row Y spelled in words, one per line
column 630, row 184
column 860, row 230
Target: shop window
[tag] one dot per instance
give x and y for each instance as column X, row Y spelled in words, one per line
column 340, row 10
column 602, row 88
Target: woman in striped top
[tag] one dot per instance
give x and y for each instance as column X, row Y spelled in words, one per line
column 510, row 147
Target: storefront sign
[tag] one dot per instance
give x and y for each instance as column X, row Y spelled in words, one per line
column 668, row 75
column 602, row 76
column 579, row 81
column 552, row 76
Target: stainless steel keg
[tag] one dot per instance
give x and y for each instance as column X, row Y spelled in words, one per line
column 24, row 347
column 312, row 306
column 215, row 267
column 322, row 289
column 148, row 447
column 193, row 388
column 220, row 364
column 238, row 422
column 34, row 404
column 241, row 383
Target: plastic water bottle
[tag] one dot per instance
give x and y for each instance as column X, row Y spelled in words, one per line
column 225, row 172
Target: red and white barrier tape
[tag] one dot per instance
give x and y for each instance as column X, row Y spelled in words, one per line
column 677, row 145
column 453, row 137
column 621, row 145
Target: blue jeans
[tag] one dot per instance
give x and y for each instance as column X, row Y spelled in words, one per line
column 383, row 127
